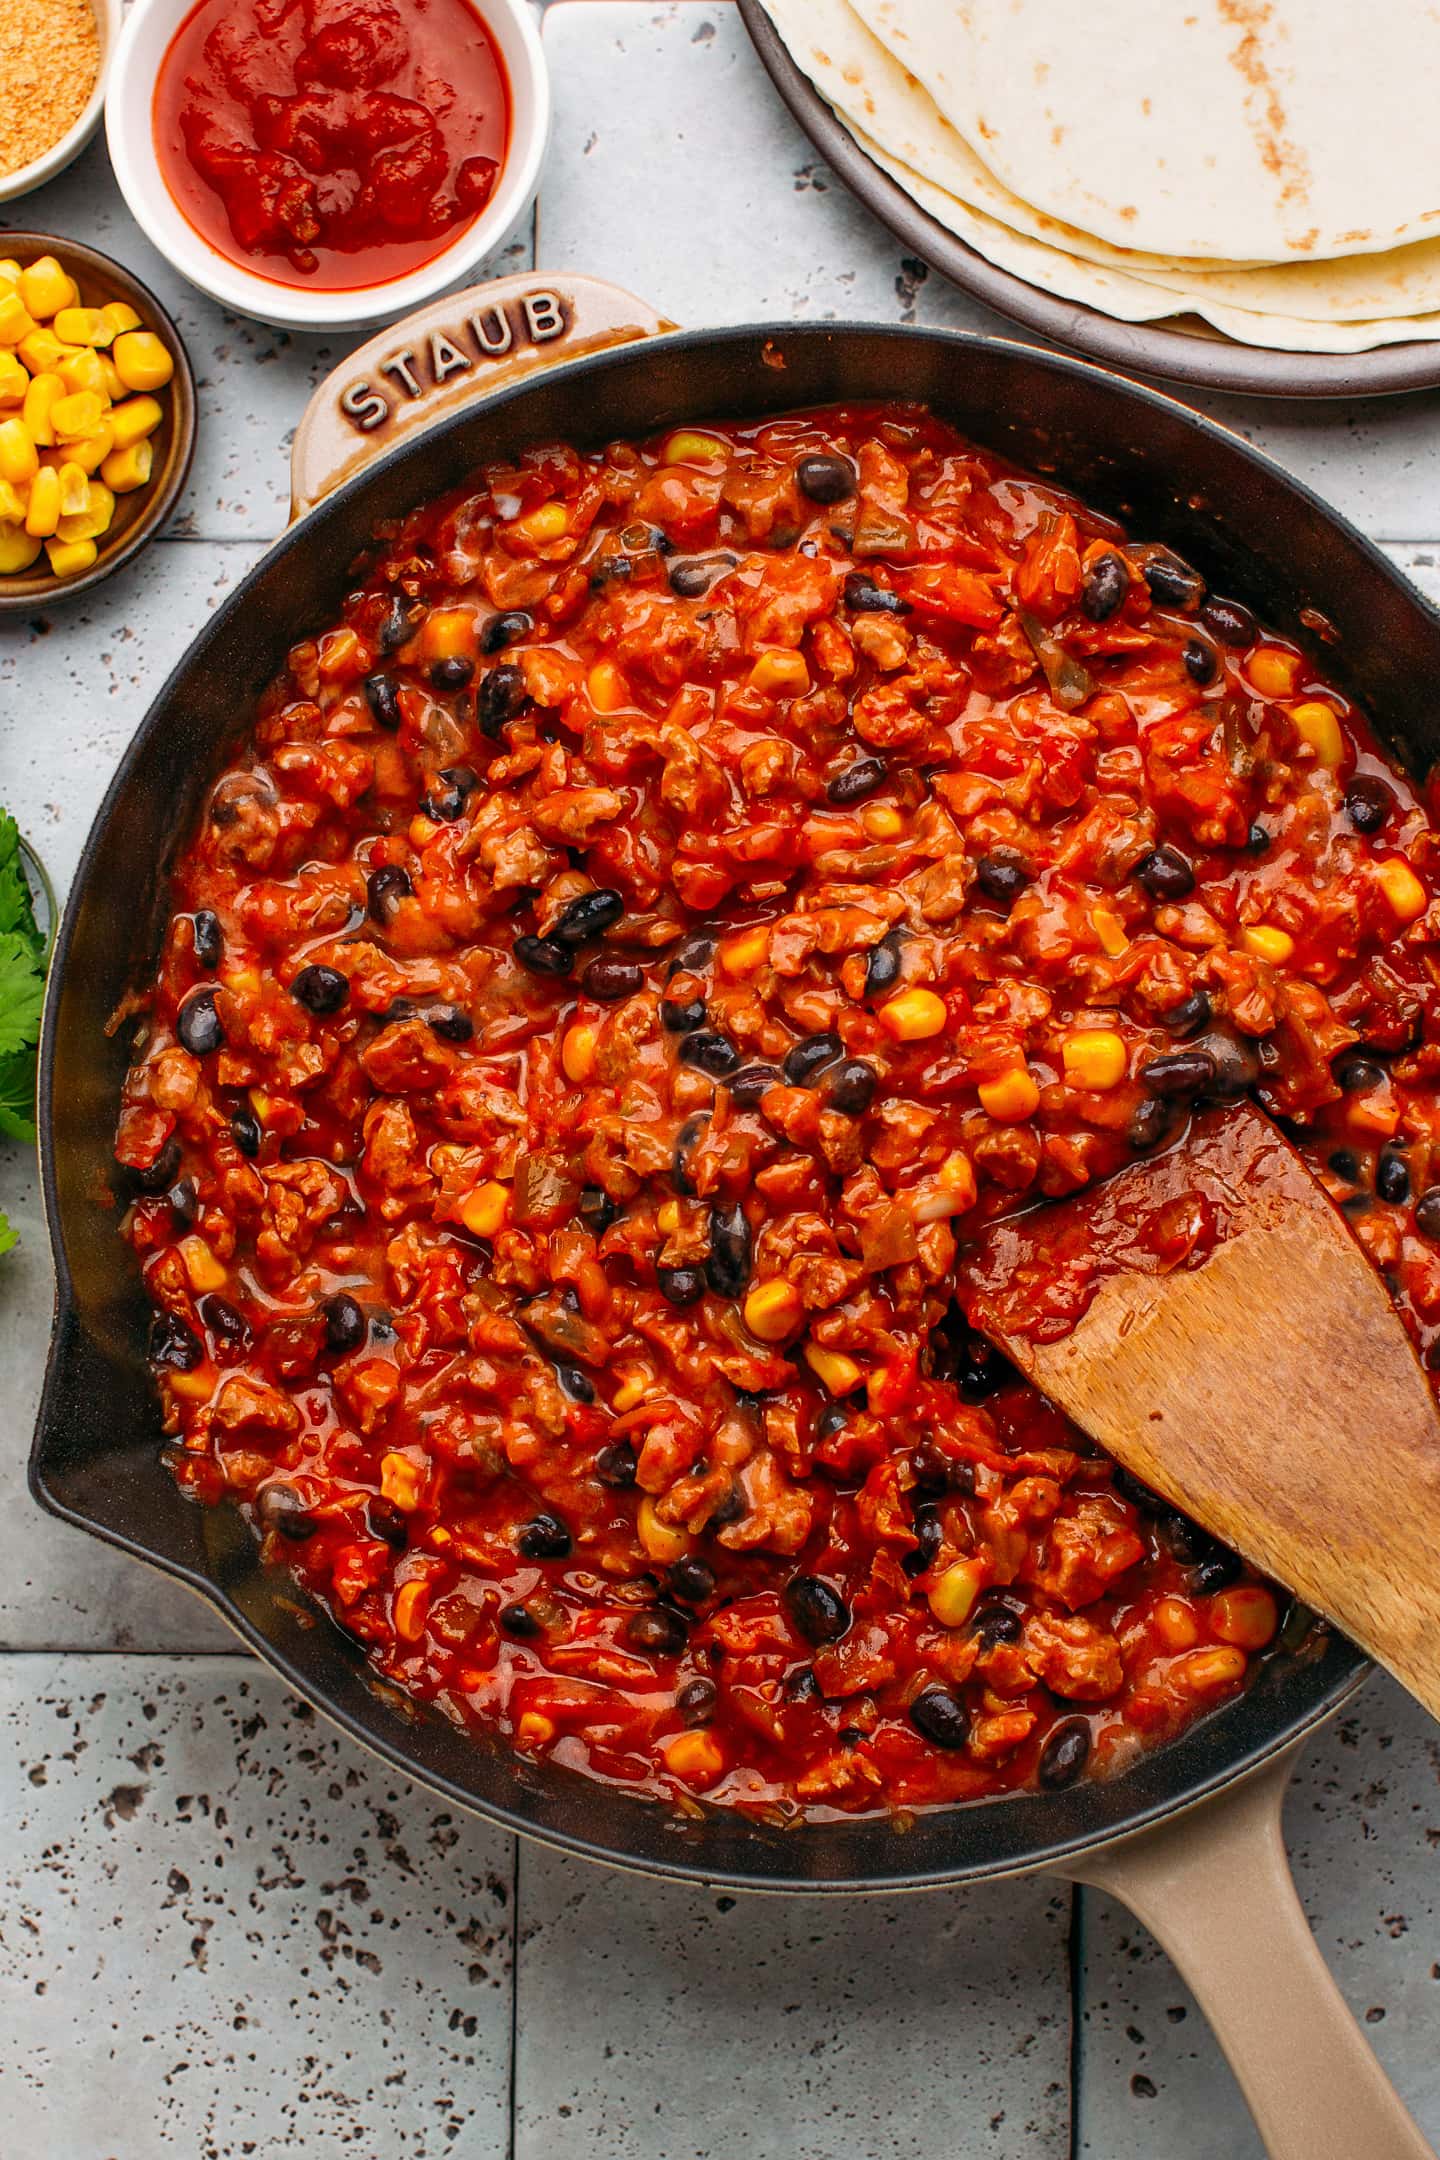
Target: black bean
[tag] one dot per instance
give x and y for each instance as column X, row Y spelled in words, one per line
column 345, row 1324
column 542, row 956
column 832, row 1419
column 399, row 625
column 1139, row 1494
column 817, row 1608
column 882, row 969
column 850, row 1088
column 860, row 778
column 207, row 938
column 808, row 1058
column 383, row 697
column 931, row 1532
column 691, row 955
column 198, row 1024
column 685, row 1139
column 691, row 579
column 1427, row 1213
column 1392, row 1176
column 519, row 1621
column 607, row 978
column 659, row 1629
column 681, row 1285
column 1356, row 1073
column 184, row 1201
column 544, row 1537
column 576, row 1384
column 709, row 1053
column 1216, row 1571
column 280, row 1508
column 449, row 1023
column 596, row 1209
column 1106, row 584
column 1149, row 1123
column 690, row 1580
column 931, row 1470
column 447, row 799
column 1180, row 1078
column 162, row 1171
column 748, row 1086
column 173, row 1343
column 1201, row 661
column 865, row 597
column 698, row 1701
column 615, row 1465
column 245, row 1130
column 729, row 1261
column 1237, row 1062
column 1186, row 1539
column 1165, row 874
column 940, row 1717
column 681, row 1016
column 1173, row 582
column 385, row 888
column 228, row 1325
column 1002, row 878
column 502, row 630
column 451, row 673
column 499, row 698
column 1228, row 620
column 1189, row 1016
column 1368, row 802
column 1346, row 1164
column 1257, row 840
column 387, row 1522
column 801, row 1685
column 729, row 1509
column 585, row 918
column 321, row 990
column 1064, row 1755
column 826, row 479
column 998, row 1618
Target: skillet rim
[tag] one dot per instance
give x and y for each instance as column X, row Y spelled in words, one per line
column 1212, row 1754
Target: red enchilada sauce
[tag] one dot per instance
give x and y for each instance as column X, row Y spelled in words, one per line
column 331, row 143
column 688, row 893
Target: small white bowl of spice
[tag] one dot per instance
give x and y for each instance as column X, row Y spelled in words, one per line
column 53, row 59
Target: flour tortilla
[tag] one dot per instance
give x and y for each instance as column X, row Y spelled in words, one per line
column 1240, row 130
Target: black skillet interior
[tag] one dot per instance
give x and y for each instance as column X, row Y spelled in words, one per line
column 95, row 1461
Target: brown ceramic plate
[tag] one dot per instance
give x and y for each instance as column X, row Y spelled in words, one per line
column 1190, row 352
column 141, row 515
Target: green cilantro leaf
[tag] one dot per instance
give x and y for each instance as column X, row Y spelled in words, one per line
column 22, row 995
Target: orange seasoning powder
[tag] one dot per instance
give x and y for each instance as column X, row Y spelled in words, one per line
column 49, row 61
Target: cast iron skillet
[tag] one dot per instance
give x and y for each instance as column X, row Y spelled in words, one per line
column 95, row 1463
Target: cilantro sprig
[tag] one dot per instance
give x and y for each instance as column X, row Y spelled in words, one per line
column 23, row 953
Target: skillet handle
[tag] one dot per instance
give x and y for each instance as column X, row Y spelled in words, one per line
column 1214, row 1888
column 456, row 348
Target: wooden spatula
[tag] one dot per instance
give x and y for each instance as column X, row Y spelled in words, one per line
column 1240, row 1355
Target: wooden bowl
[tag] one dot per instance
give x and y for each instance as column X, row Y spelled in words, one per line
column 141, row 515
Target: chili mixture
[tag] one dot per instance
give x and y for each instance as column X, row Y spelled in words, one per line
column 690, row 890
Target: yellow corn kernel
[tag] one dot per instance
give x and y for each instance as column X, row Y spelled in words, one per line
column 12, row 503
column 609, row 691
column 550, row 522
column 1011, row 1098
column 91, row 451
column 882, row 821
column 110, row 381
column 126, row 470
column 773, row 1309
column 1174, row 1622
column 661, row 1540
column 839, row 1373
column 42, row 351
column 780, row 674
column 635, row 1385
column 196, row 1386
column 667, row 1217
column 448, row 633
column 694, row 1757
column 743, row 954
column 1206, row 1670
column 535, row 1731
column 485, row 1209
column 9, row 271
column 43, row 395
column 141, row 360
column 118, row 315
column 74, row 489
column 1267, row 943
column 46, row 287
column 1094, row 1058
column 14, row 381
column 421, row 830
column 84, row 370
column 94, row 519
column 17, row 549
column 1401, row 887
column 1273, row 672
column 1110, row 930
column 401, row 1481
column 577, row 1053
column 80, row 325
column 913, row 1015
column 203, row 1271
column 412, row 1602
column 953, row 1597
column 133, row 418
column 16, row 321
column 687, row 446
column 1319, row 726
column 1244, row 1615
column 42, row 512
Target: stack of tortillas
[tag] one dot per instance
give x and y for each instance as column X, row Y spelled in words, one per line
column 1268, row 165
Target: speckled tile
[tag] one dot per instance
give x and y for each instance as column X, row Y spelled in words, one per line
column 1363, row 1825
column 225, row 1931
column 701, row 2026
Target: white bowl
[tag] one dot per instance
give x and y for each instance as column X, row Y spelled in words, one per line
column 129, row 123
column 59, row 155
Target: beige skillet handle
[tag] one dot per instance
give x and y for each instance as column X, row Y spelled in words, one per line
column 1214, row 1888
column 457, row 348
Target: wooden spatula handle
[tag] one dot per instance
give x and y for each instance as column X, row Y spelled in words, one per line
column 1214, row 1888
